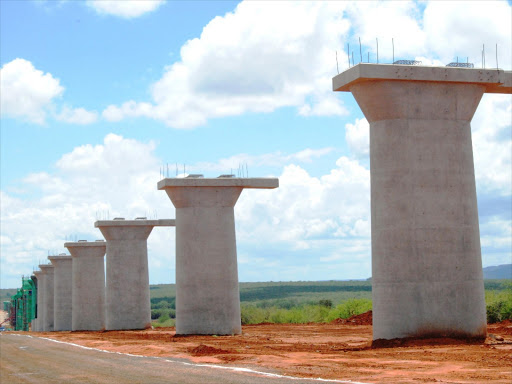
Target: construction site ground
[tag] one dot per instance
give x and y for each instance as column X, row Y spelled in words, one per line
column 341, row 350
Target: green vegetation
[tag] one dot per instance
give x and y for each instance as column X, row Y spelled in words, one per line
column 498, row 300
column 281, row 302
column 305, row 313
column 307, row 301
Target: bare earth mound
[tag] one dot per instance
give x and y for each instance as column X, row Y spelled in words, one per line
column 330, row 351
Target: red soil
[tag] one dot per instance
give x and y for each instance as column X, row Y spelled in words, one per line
column 333, row 351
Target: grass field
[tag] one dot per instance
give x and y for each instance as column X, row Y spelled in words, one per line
column 310, row 301
column 307, row 301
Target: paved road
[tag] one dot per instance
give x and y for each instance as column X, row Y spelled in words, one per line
column 26, row 359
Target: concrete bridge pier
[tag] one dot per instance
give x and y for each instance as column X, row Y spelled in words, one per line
column 128, row 303
column 62, row 296
column 88, row 281
column 207, row 293
column 426, row 259
column 39, row 301
column 48, row 287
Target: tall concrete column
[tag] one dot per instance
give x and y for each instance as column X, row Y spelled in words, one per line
column 62, row 296
column 48, row 281
column 207, row 293
column 88, row 281
column 128, row 303
column 39, row 301
column 426, row 259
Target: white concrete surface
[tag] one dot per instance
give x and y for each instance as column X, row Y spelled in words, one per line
column 426, row 258
column 207, row 293
column 48, row 281
column 128, row 303
column 88, row 280
column 62, row 295
column 39, row 301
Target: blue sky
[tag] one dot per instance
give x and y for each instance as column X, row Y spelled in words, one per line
column 97, row 95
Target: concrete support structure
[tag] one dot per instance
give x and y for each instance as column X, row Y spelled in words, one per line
column 128, row 303
column 426, row 258
column 39, row 301
column 62, row 295
column 48, row 281
column 207, row 293
column 88, row 281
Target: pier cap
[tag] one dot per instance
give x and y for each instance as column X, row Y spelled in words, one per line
column 59, row 258
column 81, row 243
column 494, row 80
column 253, row 182
column 135, row 223
column 44, row 267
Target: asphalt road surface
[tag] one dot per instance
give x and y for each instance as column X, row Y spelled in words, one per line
column 25, row 359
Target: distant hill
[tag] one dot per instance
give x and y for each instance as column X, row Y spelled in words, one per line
column 503, row 271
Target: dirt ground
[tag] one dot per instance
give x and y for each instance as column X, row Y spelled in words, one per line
column 340, row 350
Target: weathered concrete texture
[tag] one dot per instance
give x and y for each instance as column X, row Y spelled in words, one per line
column 128, row 303
column 88, row 280
column 207, row 293
column 426, row 260
column 62, row 295
column 48, row 281
column 39, row 301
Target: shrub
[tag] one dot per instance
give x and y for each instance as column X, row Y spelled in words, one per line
column 163, row 318
column 350, row 308
column 325, row 303
column 498, row 306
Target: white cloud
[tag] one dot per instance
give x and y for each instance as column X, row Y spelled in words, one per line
column 306, row 208
column 307, row 223
column 27, row 92
column 274, row 159
column 492, row 144
column 459, row 28
column 357, row 136
column 386, row 20
column 117, row 177
column 77, row 116
column 127, row 9
column 435, row 32
column 264, row 56
column 30, row 94
column 258, row 58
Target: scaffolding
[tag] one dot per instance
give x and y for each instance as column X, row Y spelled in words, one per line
column 23, row 305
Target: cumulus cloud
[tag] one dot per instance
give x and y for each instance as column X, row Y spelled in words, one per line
column 307, row 208
column 492, row 144
column 434, row 32
column 77, row 116
column 274, row 159
column 454, row 28
column 398, row 20
column 255, row 59
column 357, row 136
column 118, row 177
column 125, row 9
column 26, row 91
column 314, row 227
column 30, row 94
column 115, row 178
column 258, row 58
